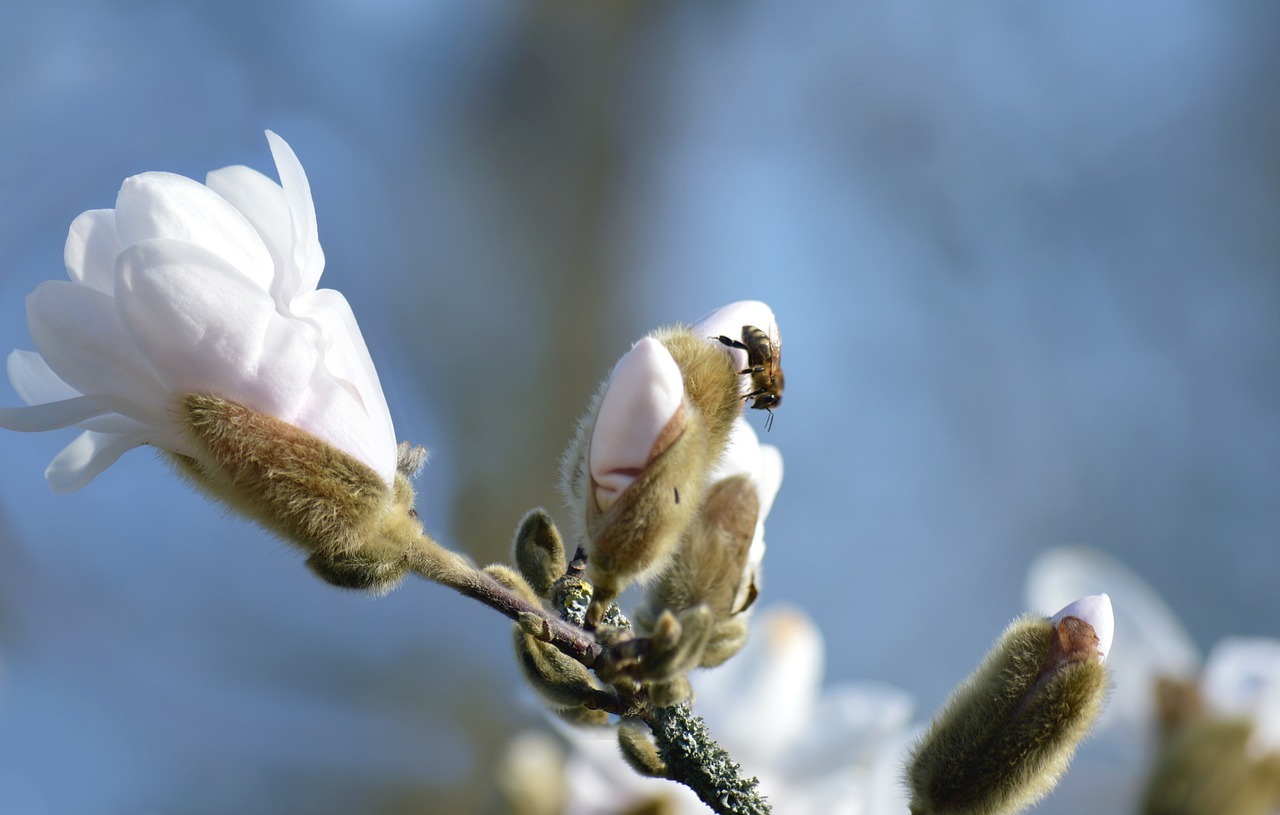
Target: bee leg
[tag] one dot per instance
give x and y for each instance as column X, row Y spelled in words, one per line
column 731, row 342
column 758, row 369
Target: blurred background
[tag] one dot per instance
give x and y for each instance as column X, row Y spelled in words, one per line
column 1024, row 258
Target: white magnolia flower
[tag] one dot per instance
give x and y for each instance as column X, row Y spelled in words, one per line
column 196, row 288
column 836, row 751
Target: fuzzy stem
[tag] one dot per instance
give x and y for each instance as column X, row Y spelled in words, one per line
column 694, row 759
column 427, row 559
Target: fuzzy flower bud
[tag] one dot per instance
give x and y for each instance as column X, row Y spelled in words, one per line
column 636, row 473
column 643, row 463
column 719, row 561
column 1008, row 732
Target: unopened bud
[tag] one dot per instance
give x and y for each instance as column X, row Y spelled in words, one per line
column 636, row 471
column 639, row 750
column 539, row 552
column 560, row 680
column 1008, row 732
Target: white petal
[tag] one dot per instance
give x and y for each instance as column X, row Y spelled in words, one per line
column 204, row 328
column 741, row 454
column 331, row 413
column 644, row 393
column 1095, row 610
column 307, row 256
column 346, row 357
column 167, row 206
column 770, row 479
column 1153, row 644
column 77, row 332
column 34, row 380
column 263, row 204
column 1242, row 679
column 91, row 249
column 851, row 724
column 38, row 385
column 84, row 458
column 51, row 415
column 765, row 695
column 728, row 321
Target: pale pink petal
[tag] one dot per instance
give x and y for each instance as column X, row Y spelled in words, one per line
column 1096, row 611
column 91, row 249
column 166, row 206
column 77, row 332
column 307, row 256
column 82, row 460
column 645, row 392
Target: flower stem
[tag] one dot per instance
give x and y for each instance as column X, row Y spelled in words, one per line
column 694, row 759
column 431, row 561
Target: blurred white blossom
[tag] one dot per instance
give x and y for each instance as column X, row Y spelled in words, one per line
column 1240, row 677
column 196, row 288
column 816, row 751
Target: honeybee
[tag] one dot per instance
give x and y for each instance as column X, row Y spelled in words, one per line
column 764, row 366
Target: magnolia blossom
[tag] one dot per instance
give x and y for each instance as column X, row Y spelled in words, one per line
column 816, row 751
column 196, row 288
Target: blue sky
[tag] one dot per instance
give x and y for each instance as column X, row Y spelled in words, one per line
column 1023, row 259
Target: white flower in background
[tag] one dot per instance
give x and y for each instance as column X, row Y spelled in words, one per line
column 196, row 288
column 1240, row 678
column 836, row 751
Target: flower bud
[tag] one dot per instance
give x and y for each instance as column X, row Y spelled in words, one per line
column 1006, row 735
column 636, row 471
column 718, row 563
column 639, row 751
column 538, row 551
column 563, row 683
